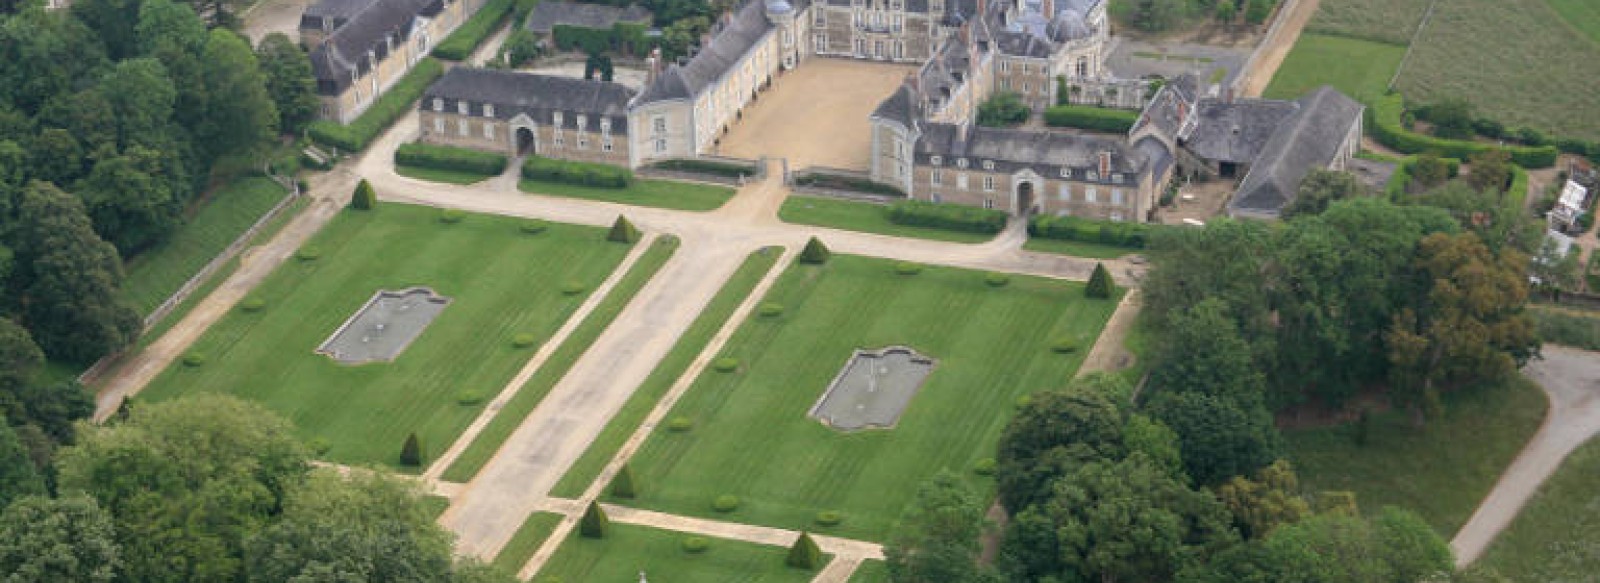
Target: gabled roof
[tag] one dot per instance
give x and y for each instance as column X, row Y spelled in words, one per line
column 1235, row 132
column 339, row 10
column 512, row 92
column 902, row 106
column 371, row 29
column 1042, row 151
column 727, row 46
column 546, row 15
column 1310, row 138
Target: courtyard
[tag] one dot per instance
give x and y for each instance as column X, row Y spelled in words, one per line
column 816, row 114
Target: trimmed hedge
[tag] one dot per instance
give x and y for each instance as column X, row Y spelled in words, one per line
column 1401, row 179
column 460, row 44
column 578, row 173
column 848, row 183
column 1102, row 119
column 450, row 158
column 1117, row 234
column 1383, row 122
column 947, row 216
column 394, row 104
column 711, row 167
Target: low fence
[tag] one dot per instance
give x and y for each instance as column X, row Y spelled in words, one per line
column 841, row 183
column 757, row 170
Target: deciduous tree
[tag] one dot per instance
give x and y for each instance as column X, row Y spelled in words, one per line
column 936, row 538
column 288, row 80
column 66, row 539
column 239, row 115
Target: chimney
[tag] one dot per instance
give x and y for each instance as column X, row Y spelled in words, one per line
column 983, row 9
column 652, row 66
column 1049, row 9
column 1105, row 165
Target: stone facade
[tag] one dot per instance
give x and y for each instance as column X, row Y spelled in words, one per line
column 361, row 48
column 517, row 113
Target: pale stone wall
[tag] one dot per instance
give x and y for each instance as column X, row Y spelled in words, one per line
column 672, row 137
column 494, row 135
column 878, row 37
column 1093, row 200
column 404, row 55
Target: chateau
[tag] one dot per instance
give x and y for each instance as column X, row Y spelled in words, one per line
column 361, row 48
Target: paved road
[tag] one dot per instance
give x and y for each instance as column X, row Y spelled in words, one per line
column 1571, row 378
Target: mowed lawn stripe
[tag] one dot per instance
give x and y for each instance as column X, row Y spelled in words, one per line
column 502, row 282
column 628, row 550
column 752, row 437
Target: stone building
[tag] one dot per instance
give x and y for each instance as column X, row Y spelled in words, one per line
column 519, row 113
column 361, row 48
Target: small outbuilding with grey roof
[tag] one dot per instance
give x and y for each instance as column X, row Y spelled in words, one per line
column 523, row 113
column 1324, row 133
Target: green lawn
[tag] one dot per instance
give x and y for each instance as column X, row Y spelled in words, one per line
column 622, row 425
column 871, row 572
column 156, row 273
column 1583, row 15
column 1359, row 68
column 1441, row 470
column 628, row 550
column 1075, row 248
column 751, row 436
column 669, row 194
column 528, row 397
column 436, row 505
column 1389, row 21
column 526, row 542
column 865, row 217
column 440, row 175
column 502, row 282
column 1555, row 536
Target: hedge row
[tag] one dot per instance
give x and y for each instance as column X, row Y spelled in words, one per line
column 1102, row 119
column 394, row 104
column 449, row 158
column 712, row 167
column 579, row 173
column 1383, row 121
column 947, row 216
column 1067, row 228
column 1401, row 179
column 621, row 36
column 837, row 182
column 460, row 44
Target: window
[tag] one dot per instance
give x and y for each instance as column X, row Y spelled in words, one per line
column 462, row 107
column 935, row 197
column 988, row 164
column 1093, row 175
column 556, row 119
column 1116, row 196
column 1089, row 194
column 961, row 181
column 1024, row 68
column 488, row 110
column 659, row 124
column 1005, row 84
column 583, row 122
column 1116, row 216
column 1025, row 87
column 661, row 146
column 438, row 125
column 961, row 162
column 560, row 139
column 988, row 203
column 988, row 183
column 605, row 144
column 438, row 104
column 488, row 131
column 936, row 177
column 605, row 126
column 1066, row 172
column 1066, row 192
column 1005, row 66
column 935, row 160
column 464, row 128
column 583, row 141
column 819, row 16
column 899, row 149
column 1117, row 178
column 820, row 42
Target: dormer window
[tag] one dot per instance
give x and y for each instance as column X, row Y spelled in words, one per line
column 1117, row 178
column 1094, row 175
column 988, row 164
column 557, row 118
column 961, row 162
column 462, row 107
column 438, row 104
column 583, row 121
column 935, row 160
column 1066, row 172
column 488, row 110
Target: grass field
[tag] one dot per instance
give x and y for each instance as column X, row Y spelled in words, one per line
column 526, row 542
column 439, row 175
column 155, row 274
column 506, row 421
column 865, row 217
column 1555, row 536
column 1583, row 15
column 1388, row 21
column 871, row 572
column 751, row 436
column 502, row 283
column 622, row 425
column 1441, row 470
column 1075, row 248
column 436, row 505
column 629, row 550
column 1359, row 68
column 669, row 194
column 1516, row 61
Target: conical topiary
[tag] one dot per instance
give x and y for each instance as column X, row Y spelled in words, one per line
column 1099, row 283
column 815, row 252
column 623, row 231
column 411, row 452
column 804, row 554
column 594, row 523
column 622, row 485
column 364, row 199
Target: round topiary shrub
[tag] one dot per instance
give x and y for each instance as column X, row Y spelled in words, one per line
column 725, row 364
column 524, row 340
column 1024, row 401
column 533, row 227
column 907, row 268
column 252, row 305
column 194, row 359
column 984, row 467
column 308, row 253
column 451, row 216
column 997, row 279
column 770, row 309
column 319, row 445
column 469, row 398
column 571, row 288
column 680, row 424
column 829, row 518
column 695, row 545
column 725, row 503
column 1064, row 345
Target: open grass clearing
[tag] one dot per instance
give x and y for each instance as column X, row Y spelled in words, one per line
column 1515, row 61
column 751, row 436
column 502, row 283
column 668, row 194
column 1359, row 68
column 1555, row 536
column 871, row 572
column 1075, row 248
column 533, row 532
column 1583, row 15
column 644, row 398
column 440, row 175
column 1388, row 21
column 1441, row 470
column 509, row 417
column 155, row 274
column 629, row 550
column 865, row 217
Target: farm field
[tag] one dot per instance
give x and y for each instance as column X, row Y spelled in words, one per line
column 751, row 436
column 1554, row 537
column 864, row 217
column 629, row 550
column 502, row 283
column 1359, row 68
column 1583, row 15
column 1386, row 21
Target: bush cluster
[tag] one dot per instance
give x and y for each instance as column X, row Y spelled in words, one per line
column 583, row 39
column 460, row 44
column 1567, row 328
column 829, row 518
column 712, row 167
column 1383, row 122
column 578, row 173
column 395, row 103
column 450, row 158
column 252, row 304
column 680, row 424
column 1118, row 234
column 725, row 503
column 725, row 364
column 695, row 545
column 524, row 340
column 947, row 216
column 1102, row 119
column 452, row 216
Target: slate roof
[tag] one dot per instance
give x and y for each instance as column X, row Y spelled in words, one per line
column 1155, row 153
column 546, row 15
column 728, row 45
column 339, row 10
column 1024, row 44
column 1235, row 132
column 1042, row 151
column 367, row 30
column 539, row 96
column 902, row 106
column 1308, row 139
